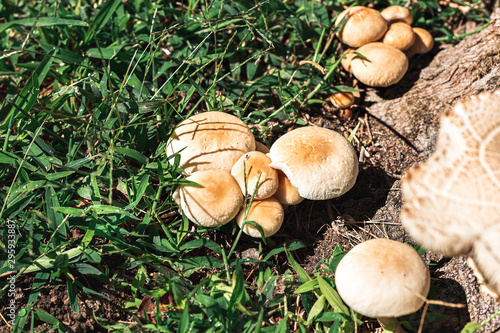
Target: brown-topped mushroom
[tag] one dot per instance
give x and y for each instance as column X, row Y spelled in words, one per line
column 210, row 140
column 363, row 25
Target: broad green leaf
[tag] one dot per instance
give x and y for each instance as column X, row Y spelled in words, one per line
column 332, row 296
column 317, row 308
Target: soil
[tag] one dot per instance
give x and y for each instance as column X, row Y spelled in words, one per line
column 397, row 129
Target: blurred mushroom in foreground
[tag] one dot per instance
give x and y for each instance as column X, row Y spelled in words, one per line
column 452, row 200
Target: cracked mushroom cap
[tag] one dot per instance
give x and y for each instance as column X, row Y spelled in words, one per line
column 453, row 197
column 363, row 25
column 397, row 14
column 268, row 213
column 384, row 65
column 215, row 203
column 254, row 168
column 400, row 35
column 210, row 140
column 320, row 163
column 382, row 278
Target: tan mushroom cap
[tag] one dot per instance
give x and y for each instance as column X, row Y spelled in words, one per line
column 385, row 65
column 268, row 213
column 210, row 140
column 286, row 193
column 254, row 168
column 400, row 35
column 342, row 99
column 453, row 197
column 382, row 278
column 364, row 25
column 346, row 60
column 397, row 14
column 320, row 163
column 486, row 256
column 424, row 42
column 259, row 146
column 216, row 203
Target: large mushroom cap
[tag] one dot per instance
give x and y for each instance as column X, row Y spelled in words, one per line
column 384, row 65
column 364, row 25
column 215, row 203
column 486, row 256
column 252, row 170
column 210, row 140
column 320, row 163
column 268, row 213
column 382, row 278
column 450, row 199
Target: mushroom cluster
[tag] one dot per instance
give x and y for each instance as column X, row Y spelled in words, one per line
column 223, row 165
column 386, row 40
column 452, row 201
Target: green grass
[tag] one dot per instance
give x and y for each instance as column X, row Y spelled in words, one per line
column 89, row 95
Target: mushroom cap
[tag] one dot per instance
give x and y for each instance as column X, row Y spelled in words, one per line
column 346, row 60
column 485, row 254
column 216, row 203
column 268, row 213
column 259, row 146
column 254, row 167
column 400, row 35
column 342, row 99
column 424, row 42
column 320, row 163
column 385, row 65
column 210, row 140
column 286, row 193
column 397, row 14
column 382, row 278
column 450, row 199
column 364, row 25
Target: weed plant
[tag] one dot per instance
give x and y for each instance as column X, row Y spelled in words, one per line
column 90, row 91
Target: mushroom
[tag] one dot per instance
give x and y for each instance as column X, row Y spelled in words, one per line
column 400, row 35
column 342, row 99
column 363, row 25
column 397, row 14
column 451, row 199
column 485, row 256
column 384, row 65
column 268, row 213
column 210, row 140
column 383, row 279
column 261, row 147
column 253, row 173
column 320, row 163
column 347, row 58
column 215, row 203
column 424, row 42
column 286, row 193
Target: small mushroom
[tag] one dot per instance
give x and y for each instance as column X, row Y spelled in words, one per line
column 346, row 60
column 397, row 14
column 383, row 279
column 268, row 213
column 286, row 193
column 424, row 42
column 451, row 200
column 253, row 168
column 400, row 35
column 363, row 25
column 215, row 203
column 210, row 140
column 320, row 163
column 342, row 99
column 261, row 147
column 384, row 65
